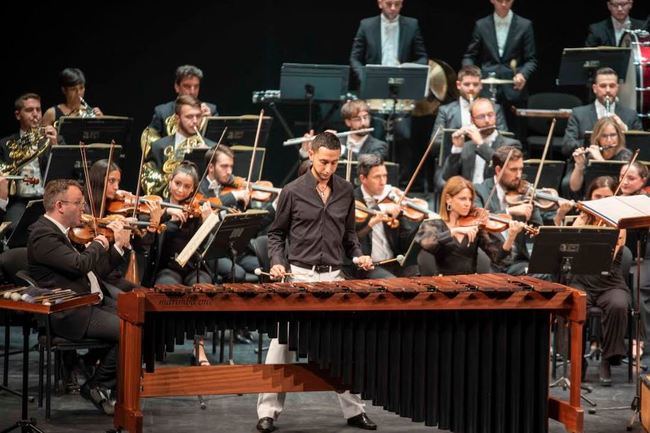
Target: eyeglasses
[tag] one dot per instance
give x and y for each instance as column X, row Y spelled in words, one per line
column 490, row 115
column 620, row 5
column 611, row 136
column 81, row 203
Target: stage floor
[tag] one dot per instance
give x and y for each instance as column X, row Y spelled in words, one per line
column 304, row 413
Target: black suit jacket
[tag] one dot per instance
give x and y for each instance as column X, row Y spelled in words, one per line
column 602, row 33
column 398, row 238
column 163, row 111
column 55, row 263
column 584, row 117
column 372, row 145
column 483, row 51
column 366, row 46
column 462, row 164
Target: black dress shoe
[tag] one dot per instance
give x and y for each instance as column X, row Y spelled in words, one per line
column 100, row 397
column 265, row 425
column 362, row 421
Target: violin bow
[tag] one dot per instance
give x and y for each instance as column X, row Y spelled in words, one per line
column 257, row 138
column 205, row 172
column 108, row 172
column 348, row 165
column 629, row 164
column 541, row 163
column 420, row 164
column 89, row 188
column 494, row 188
column 137, row 187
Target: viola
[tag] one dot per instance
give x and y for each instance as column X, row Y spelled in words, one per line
column 362, row 213
column 92, row 227
column 262, row 190
column 545, row 198
column 491, row 222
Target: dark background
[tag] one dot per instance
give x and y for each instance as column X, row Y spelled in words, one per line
column 129, row 51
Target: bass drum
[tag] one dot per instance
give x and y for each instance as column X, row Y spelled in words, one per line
column 441, row 82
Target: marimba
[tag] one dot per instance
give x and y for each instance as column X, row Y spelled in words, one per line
column 466, row 353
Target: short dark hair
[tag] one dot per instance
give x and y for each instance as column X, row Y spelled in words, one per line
column 367, row 162
column 501, row 154
column 605, row 71
column 225, row 150
column 186, row 100
column 19, row 103
column 54, row 189
column 327, row 140
column 185, row 71
column 71, row 77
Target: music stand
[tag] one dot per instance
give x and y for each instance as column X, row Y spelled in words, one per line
column 103, row 129
column 64, row 161
column 595, row 168
column 551, row 175
column 241, row 129
column 579, row 65
column 633, row 140
column 33, row 211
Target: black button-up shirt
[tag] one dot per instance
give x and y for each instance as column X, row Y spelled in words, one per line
column 319, row 233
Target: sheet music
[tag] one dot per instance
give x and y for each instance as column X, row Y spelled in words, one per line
column 622, row 211
column 197, row 239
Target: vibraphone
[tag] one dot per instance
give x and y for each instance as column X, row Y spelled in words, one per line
column 466, row 353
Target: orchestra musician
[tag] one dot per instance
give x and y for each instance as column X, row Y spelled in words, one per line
column 607, row 144
column 610, row 31
column 378, row 239
column 513, row 57
column 315, row 214
column 608, row 291
column 584, row 117
column 470, row 159
column 27, row 109
column 73, row 86
column 356, row 115
column 456, row 114
column 454, row 244
column 187, row 82
column 509, row 181
column 189, row 114
column 54, row 262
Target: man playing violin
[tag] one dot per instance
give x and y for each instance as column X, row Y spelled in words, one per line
column 509, row 178
column 470, row 159
column 220, row 166
column 55, row 263
column 380, row 239
column 315, row 214
column 29, row 115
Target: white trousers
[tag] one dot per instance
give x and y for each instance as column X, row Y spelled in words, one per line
column 269, row 405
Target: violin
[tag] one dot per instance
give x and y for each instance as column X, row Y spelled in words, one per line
column 261, row 190
column 124, row 202
column 414, row 209
column 493, row 223
column 215, row 203
column 545, row 198
column 362, row 213
column 92, row 227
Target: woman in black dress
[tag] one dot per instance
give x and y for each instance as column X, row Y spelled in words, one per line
column 455, row 246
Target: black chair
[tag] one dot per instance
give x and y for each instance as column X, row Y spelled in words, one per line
column 538, row 128
column 259, row 245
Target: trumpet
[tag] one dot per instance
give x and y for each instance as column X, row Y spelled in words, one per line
column 301, row 140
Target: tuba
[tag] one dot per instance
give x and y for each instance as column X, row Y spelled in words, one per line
column 24, row 150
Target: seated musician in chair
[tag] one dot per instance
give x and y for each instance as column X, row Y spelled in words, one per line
column 55, row 263
column 454, row 239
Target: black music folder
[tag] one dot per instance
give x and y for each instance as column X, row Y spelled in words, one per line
column 551, row 176
column 102, row 129
column 579, row 65
column 33, row 211
column 317, row 83
column 64, row 161
column 595, row 169
column 406, row 81
column 241, row 129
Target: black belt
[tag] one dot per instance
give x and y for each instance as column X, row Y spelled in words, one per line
column 318, row 268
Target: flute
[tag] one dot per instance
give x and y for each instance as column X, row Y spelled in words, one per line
column 301, row 140
column 465, row 130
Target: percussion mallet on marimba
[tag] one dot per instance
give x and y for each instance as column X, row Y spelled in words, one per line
column 399, row 259
column 259, row 271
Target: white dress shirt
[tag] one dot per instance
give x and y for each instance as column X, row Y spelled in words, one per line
column 381, row 249
column 465, row 116
column 502, row 27
column 619, row 28
column 354, row 145
column 601, row 111
column 389, row 41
